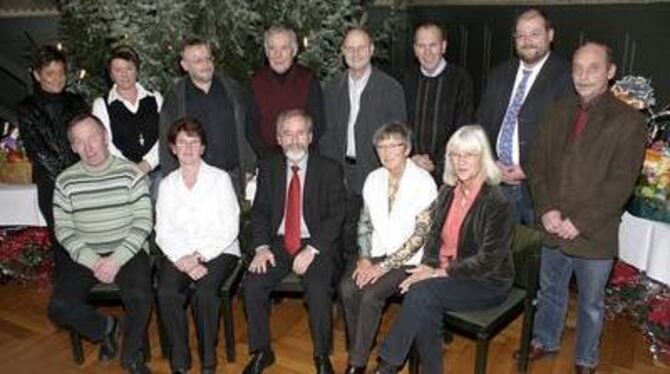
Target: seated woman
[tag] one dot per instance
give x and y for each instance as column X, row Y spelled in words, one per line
column 197, row 223
column 467, row 263
column 393, row 196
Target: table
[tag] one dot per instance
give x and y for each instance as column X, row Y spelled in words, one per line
column 18, row 205
column 645, row 244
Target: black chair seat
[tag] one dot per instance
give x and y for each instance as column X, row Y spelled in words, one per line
column 487, row 321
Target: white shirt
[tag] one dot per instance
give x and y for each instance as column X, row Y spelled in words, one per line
column 356, row 88
column 438, row 70
column 534, row 71
column 100, row 111
column 416, row 190
column 203, row 219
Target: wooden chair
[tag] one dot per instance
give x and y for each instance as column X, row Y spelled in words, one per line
column 484, row 325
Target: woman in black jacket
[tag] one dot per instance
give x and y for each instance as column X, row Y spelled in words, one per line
column 467, row 262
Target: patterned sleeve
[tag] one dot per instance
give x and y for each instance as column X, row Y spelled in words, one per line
column 414, row 243
column 365, row 229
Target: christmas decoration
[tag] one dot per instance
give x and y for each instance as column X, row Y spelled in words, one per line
column 25, row 255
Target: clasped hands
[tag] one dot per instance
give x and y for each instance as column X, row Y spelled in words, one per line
column 105, row 269
column 192, row 265
column 554, row 223
column 264, row 257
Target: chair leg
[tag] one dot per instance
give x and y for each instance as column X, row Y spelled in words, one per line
column 481, row 356
column 413, row 360
column 77, row 350
column 526, row 337
column 227, row 311
column 162, row 333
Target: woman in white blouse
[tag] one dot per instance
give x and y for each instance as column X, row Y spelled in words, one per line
column 393, row 197
column 197, row 224
column 130, row 113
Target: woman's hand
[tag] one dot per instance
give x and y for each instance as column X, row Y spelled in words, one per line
column 420, row 273
column 186, row 263
column 368, row 275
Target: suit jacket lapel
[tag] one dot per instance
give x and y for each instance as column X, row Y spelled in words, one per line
column 309, row 193
column 280, row 198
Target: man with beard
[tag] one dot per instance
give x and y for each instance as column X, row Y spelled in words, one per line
column 517, row 93
column 296, row 220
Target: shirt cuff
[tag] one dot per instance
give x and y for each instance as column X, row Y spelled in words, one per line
column 261, row 247
column 314, row 250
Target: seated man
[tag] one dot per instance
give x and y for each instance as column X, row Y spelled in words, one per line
column 294, row 229
column 102, row 217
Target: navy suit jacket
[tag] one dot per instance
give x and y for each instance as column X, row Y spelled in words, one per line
column 323, row 203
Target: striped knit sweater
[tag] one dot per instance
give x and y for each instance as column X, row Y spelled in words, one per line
column 102, row 212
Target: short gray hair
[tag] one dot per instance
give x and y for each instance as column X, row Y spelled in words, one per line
column 471, row 138
column 288, row 114
column 280, row 29
column 393, row 129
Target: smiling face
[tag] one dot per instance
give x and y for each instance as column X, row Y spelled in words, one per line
column 188, row 149
column 532, row 39
column 197, row 61
column 429, row 47
column 294, row 137
column 51, row 77
column 123, row 73
column 357, row 49
column 89, row 140
column 392, row 152
column 280, row 51
column 591, row 71
column 466, row 164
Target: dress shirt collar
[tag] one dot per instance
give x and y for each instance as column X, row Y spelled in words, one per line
column 114, row 95
column 535, row 69
column 302, row 164
column 440, row 68
column 361, row 82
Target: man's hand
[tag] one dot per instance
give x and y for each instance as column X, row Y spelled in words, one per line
column 198, row 272
column 105, row 269
column 552, row 221
column 186, row 263
column 418, row 274
column 259, row 264
column 511, row 174
column 424, row 162
column 369, row 276
column 144, row 166
column 302, row 260
column 567, row 230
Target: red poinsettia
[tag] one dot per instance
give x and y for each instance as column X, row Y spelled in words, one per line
column 24, row 255
column 624, row 275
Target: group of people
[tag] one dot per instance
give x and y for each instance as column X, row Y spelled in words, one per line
column 366, row 188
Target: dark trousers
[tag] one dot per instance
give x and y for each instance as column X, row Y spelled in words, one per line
column 69, row 309
column 363, row 310
column 354, row 203
column 518, row 194
column 318, row 283
column 421, row 313
column 173, row 297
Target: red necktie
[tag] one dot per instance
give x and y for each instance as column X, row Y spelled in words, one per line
column 292, row 218
column 580, row 122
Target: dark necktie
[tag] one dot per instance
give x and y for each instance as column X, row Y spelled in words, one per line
column 580, row 122
column 292, row 219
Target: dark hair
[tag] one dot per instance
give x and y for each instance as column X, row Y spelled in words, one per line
column 286, row 115
column 123, row 52
column 189, row 125
column 46, row 55
column 609, row 52
column 429, row 24
column 80, row 118
column 531, row 13
column 193, row 41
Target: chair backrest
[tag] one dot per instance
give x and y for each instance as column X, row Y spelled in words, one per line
column 526, row 249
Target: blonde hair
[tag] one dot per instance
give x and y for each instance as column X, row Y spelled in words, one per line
column 471, row 138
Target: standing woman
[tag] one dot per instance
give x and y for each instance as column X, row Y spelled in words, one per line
column 43, row 119
column 130, row 114
column 467, row 263
column 197, row 223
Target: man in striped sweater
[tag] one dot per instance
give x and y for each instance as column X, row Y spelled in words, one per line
column 102, row 215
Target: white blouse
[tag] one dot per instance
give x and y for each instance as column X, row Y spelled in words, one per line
column 203, row 219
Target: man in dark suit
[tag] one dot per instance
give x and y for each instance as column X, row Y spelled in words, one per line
column 358, row 101
column 517, row 93
column 296, row 220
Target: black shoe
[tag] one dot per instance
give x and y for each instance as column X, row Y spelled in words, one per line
column 110, row 342
column 179, row 371
column 323, row 365
column 209, row 370
column 138, row 368
column 259, row 361
column 355, row 369
column 385, row 368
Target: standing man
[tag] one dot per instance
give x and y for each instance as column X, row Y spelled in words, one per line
column 102, row 214
column 296, row 220
column 439, row 98
column 282, row 85
column 219, row 104
column 358, row 102
column 517, row 93
column 583, row 167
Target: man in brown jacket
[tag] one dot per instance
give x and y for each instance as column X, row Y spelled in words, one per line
column 582, row 169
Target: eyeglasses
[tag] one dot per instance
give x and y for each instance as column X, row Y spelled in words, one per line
column 190, row 143
column 389, row 147
column 468, row 156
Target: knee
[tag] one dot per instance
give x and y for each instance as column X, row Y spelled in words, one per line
column 139, row 298
column 347, row 289
column 206, row 294
column 372, row 300
column 254, row 290
column 58, row 308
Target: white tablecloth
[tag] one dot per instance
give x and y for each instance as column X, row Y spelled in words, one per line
column 645, row 244
column 18, row 205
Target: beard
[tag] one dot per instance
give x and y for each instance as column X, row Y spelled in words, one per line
column 295, row 154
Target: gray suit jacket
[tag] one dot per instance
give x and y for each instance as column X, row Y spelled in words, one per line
column 382, row 101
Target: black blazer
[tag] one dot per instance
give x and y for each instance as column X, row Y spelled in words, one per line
column 553, row 82
column 323, row 202
column 485, row 237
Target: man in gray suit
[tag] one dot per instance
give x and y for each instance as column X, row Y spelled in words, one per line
column 358, row 101
column 517, row 93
